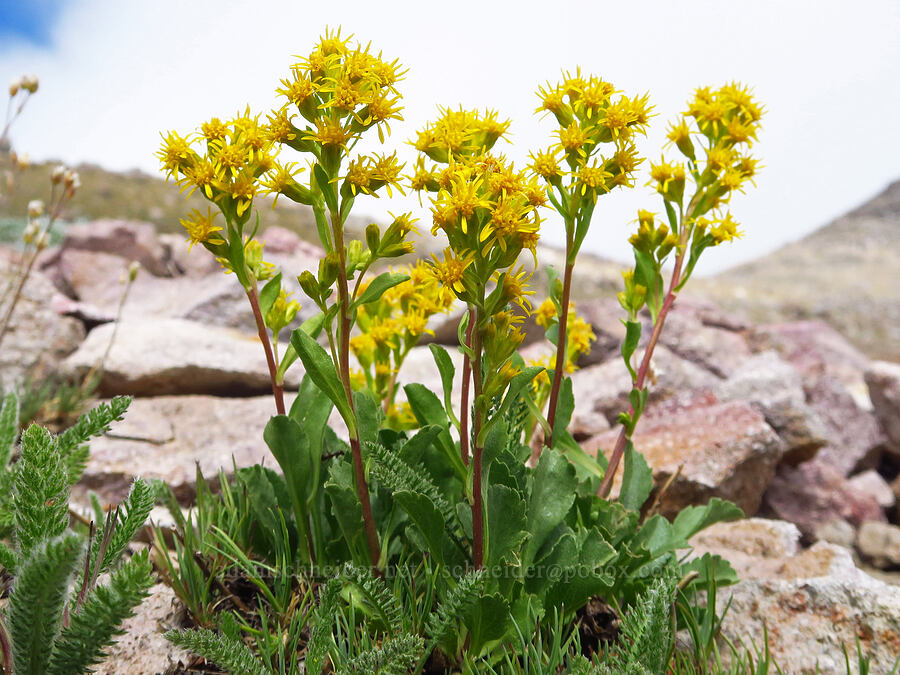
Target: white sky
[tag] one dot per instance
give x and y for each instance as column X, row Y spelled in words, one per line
column 120, row 72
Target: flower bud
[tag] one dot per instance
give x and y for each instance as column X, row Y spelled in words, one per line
column 72, row 180
column 35, row 208
column 373, row 237
column 30, row 83
column 21, row 162
column 14, row 86
column 133, row 269
column 30, row 233
column 42, row 241
column 57, row 175
column 309, row 285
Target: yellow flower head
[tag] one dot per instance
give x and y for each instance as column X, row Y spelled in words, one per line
column 201, row 229
column 449, row 270
column 545, row 314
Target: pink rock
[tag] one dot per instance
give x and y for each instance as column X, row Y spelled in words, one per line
column 883, row 379
column 718, row 350
column 723, row 450
column 815, row 493
column 130, row 240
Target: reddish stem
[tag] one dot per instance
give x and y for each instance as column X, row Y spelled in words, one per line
column 642, row 372
column 561, row 347
column 464, row 411
column 277, row 389
column 477, row 502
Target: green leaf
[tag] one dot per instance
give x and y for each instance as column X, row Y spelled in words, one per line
column 516, row 386
column 506, row 522
column 428, row 409
column 448, row 372
column 585, row 465
column 413, row 451
column 346, row 507
column 320, row 368
column 328, row 189
column 587, row 577
column 637, row 479
column 98, row 621
column 461, row 330
column 231, row 654
column 312, row 327
column 671, row 215
column 41, row 491
column 552, row 495
column 647, row 274
column 34, row 613
column 311, row 410
column 657, row 536
column 692, row 519
column 630, row 345
column 378, row 286
column 369, row 416
column 9, row 427
column 269, row 294
column 427, row 518
column 565, row 407
column 487, row 620
column 290, row 446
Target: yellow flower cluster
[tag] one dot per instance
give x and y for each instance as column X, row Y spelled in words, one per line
column 579, row 336
column 392, row 325
column 590, row 114
column 713, row 135
column 234, row 154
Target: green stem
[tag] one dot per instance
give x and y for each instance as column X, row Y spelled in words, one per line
column 362, row 487
column 464, row 411
column 561, row 348
column 643, row 370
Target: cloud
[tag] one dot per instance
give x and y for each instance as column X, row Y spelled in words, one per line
column 118, row 73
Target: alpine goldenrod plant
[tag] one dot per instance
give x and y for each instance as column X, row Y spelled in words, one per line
column 465, row 554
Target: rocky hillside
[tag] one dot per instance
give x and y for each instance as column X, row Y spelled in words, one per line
column 846, row 273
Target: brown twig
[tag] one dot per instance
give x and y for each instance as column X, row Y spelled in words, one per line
column 561, row 346
column 464, row 411
column 277, row 389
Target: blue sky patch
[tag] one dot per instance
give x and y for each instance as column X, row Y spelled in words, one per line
column 29, row 20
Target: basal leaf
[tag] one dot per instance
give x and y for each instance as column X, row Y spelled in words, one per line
column 320, row 368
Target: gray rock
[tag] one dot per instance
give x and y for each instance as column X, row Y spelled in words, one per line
column 815, row 493
column 142, row 649
column 38, row 338
column 716, row 349
column 174, row 356
column 775, row 388
column 883, row 379
column 605, row 387
column 817, row 603
column 753, row 546
column 717, row 449
column 837, row 531
column 130, row 240
column 879, row 543
column 168, row 437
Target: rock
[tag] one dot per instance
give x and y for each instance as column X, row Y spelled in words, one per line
column 817, row 603
column 837, row 531
column 812, row 602
column 38, row 339
column 717, row 350
column 174, row 356
column 871, row 482
column 129, row 240
column 189, row 261
column 775, row 388
column 168, row 437
column 855, row 441
column 605, row 387
column 723, row 450
column 880, row 544
column 815, row 349
column 752, row 546
column 883, row 379
column 142, row 649
column 815, row 493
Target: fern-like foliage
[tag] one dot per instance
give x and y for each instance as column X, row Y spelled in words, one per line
column 9, row 427
column 396, row 475
column 226, row 652
column 122, row 525
column 97, row 621
column 34, row 614
column 646, row 636
column 395, row 656
column 377, row 594
column 40, row 491
column 93, row 423
column 322, row 625
column 444, row 620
